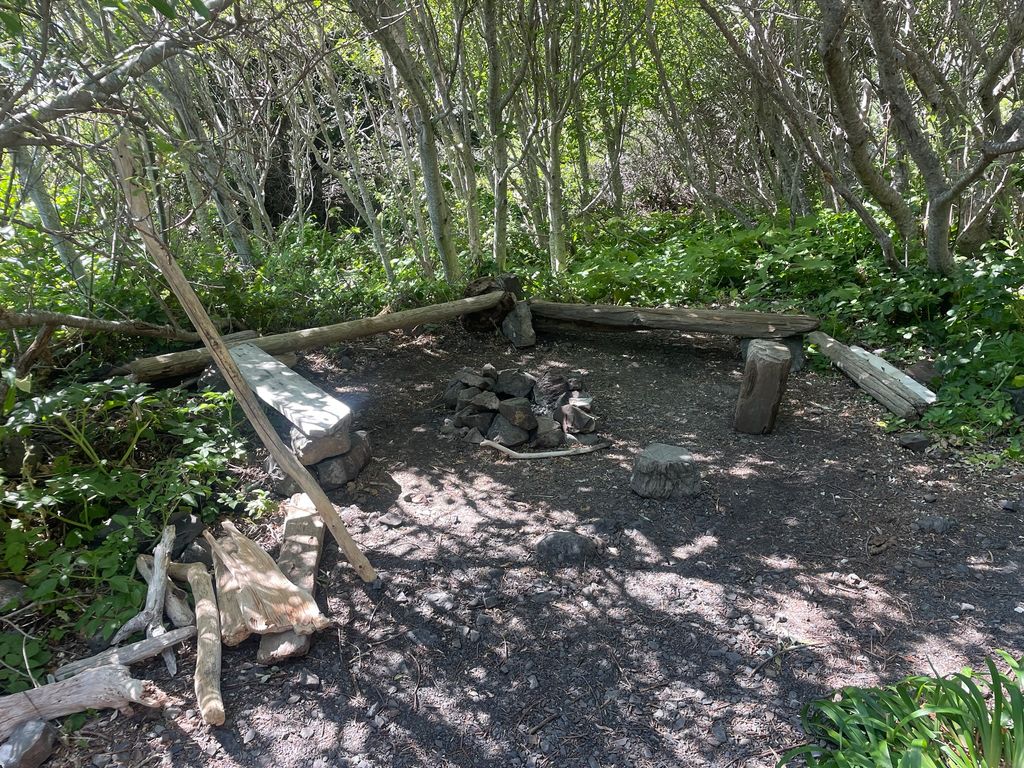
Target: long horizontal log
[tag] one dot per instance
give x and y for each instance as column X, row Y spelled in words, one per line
column 127, row 654
column 101, row 688
column 182, row 363
column 10, row 319
column 729, row 322
column 883, row 388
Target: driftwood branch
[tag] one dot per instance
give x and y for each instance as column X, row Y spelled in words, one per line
column 267, row 600
column 151, row 615
column 138, row 205
column 11, row 319
column 127, row 654
column 892, row 388
column 544, row 454
column 175, row 603
column 208, row 651
column 102, row 688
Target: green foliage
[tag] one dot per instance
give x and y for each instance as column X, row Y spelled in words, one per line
column 113, row 461
column 829, row 266
column 964, row 720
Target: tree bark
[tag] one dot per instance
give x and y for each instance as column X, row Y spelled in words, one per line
column 32, row 318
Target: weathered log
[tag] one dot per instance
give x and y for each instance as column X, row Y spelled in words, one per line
column 545, row 454
column 208, row 652
column 918, row 394
column 126, row 654
column 887, row 390
column 152, row 614
column 764, row 384
column 728, row 322
column 138, row 205
column 101, row 688
column 269, row 602
column 664, row 472
column 233, row 627
column 312, row 411
column 175, row 604
column 298, row 560
column 189, row 361
column 30, row 319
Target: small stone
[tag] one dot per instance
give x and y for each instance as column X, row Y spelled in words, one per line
column 575, row 420
column 29, row 745
column 517, row 326
column 532, row 682
column 489, row 371
column 472, row 380
column 314, row 450
column 466, row 396
column 965, row 607
column 440, row 599
column 198, row 552
column 930, row 498
column 473, row 635
column 12, row 593
column 448, row 427
column 503, row 432
column 549, row 434
column 281, row 482
column 473, row 418
column 307, row 679
column 293, row 699
column 306, row 732
column 474, row 436
column 101, row 760
column 391, row 520
column 1010, row 506
column 488, row 401
column 665, row 471
column 249, row 735
column 514, row 383
column 336, row 472
column 917, row 442
column 581, row 400
column 450, row 398
column 565, row 547
column 517, row 411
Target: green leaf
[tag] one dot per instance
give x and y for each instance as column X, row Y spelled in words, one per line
column 200, row 7
column 12, row 23
column 165, row 8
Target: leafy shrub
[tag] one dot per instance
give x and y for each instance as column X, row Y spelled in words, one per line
column 109, row 464
column 964, row 720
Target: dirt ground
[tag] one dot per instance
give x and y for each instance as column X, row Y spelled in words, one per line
column 691, row 639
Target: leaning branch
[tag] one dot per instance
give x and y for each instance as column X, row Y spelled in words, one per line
column 10, row 319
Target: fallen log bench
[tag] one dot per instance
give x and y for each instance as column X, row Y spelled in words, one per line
column 550, row 315
column 889, row 386
column 320, row 422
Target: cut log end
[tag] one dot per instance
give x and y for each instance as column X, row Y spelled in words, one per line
column 764, row 383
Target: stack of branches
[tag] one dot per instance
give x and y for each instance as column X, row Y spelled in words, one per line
column 252, row 596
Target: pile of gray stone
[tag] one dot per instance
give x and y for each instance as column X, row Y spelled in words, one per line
column 332, row 472
column 514, row 408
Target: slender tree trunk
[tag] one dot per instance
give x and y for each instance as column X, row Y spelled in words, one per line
column 556, row 206
column 30, row 173
column 437, row 206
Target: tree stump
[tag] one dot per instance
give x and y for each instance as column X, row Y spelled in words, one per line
column 764, row 383
column 665, row 472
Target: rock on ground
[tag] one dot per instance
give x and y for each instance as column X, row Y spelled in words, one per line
column 518, row 326
column 339, row 470
column 564, row 547
column 549, row 434
column 664, row 472
column 29, row 746
column 506, row 433
column 310, row 450
column 517, row 411
column 514, row 383
column 917, row 442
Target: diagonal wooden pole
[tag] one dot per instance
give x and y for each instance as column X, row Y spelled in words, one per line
column 138, row 206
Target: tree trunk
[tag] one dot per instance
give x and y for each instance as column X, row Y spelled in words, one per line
column 437, row 205
column 556, row 207
column 30, row 172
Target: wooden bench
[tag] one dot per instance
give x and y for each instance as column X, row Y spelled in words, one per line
column 727, row 322
column 321, row 422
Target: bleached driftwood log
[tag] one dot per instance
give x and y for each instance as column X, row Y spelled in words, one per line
column 545, row 454
column 208, row 653
column 152, row 614
column 126, row 654
column 876, row 377
column 102, row 688
column 298, row 560
column 175, row 603
column 233, row 627
column 268, row 601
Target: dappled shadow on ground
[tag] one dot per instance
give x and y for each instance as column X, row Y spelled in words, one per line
column 692, row 636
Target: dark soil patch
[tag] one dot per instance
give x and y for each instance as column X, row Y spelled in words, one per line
column 690, row 639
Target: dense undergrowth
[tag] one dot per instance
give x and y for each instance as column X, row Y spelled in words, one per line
column 113, row 461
